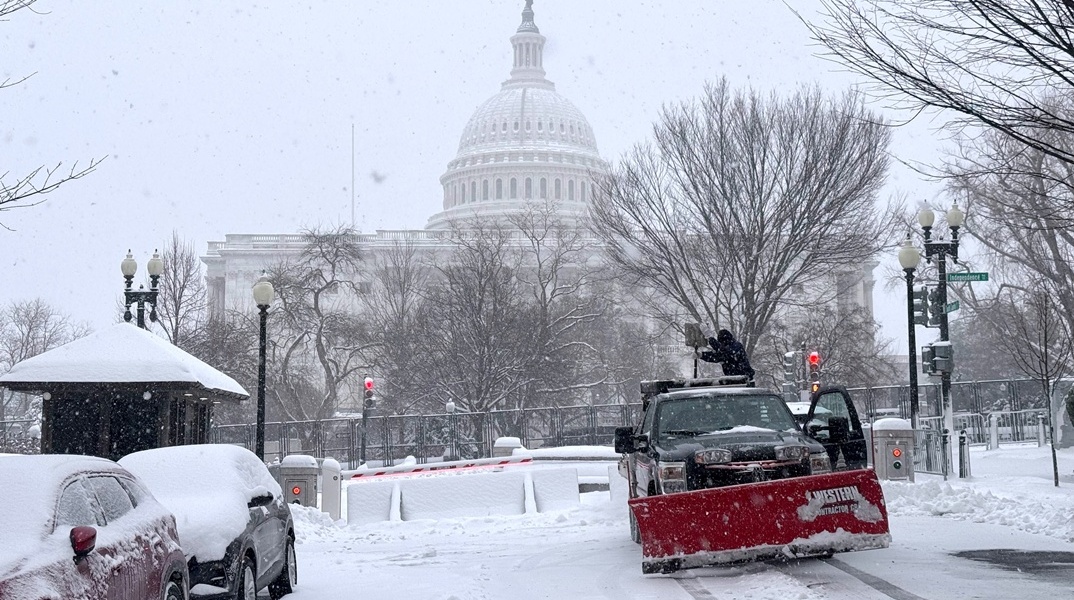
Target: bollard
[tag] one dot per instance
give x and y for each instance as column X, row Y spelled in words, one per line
column 963, row 456
column 331, row 487
column 1042, row 434
column 993, row 432
column 946, row 458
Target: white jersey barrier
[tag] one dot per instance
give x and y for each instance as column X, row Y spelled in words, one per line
column 456, row 465
column 473, row 493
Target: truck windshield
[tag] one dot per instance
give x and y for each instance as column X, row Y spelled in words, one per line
column 700, row 415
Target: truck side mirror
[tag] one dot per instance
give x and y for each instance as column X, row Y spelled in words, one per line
column 624, row 440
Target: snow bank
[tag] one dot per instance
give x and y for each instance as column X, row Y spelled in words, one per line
column 965, row 502
column 461, row 495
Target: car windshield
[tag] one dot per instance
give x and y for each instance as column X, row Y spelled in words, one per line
column 700, row 415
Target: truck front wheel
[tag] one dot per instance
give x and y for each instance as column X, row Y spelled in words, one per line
column 635, row 532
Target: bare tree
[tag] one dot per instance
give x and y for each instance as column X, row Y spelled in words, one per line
column 397, row 314
column 29, row 328
column 851, row 354
column 29, row 189
column 558, row 278
column 480, row 339
column 318, row 343
column 741, row 202
column 1020, row 220
column 1036, row 338
column 182, row 301
column 995, row 63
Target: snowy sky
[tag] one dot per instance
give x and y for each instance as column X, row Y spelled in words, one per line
column 229, row 117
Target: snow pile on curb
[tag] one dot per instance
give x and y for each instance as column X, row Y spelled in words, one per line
column 969, row 503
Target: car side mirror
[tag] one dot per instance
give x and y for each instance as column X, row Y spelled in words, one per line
column 624, row 440
column 83, row 541
column 262, row 500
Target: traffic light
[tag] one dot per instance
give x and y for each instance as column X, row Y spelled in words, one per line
column 368, row 392
column 790, row 376
column 936, row 307
column 814, row 371
column 921, row 306
column 927, row 356
column 937, row 359
column 942, row 360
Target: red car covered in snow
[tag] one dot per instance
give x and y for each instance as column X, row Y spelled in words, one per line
column 84, row 527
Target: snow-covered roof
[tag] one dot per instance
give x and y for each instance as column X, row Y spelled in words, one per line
column 122, row 353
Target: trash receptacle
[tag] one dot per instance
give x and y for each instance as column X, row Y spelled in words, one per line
column 298, row 478
column 893, row 449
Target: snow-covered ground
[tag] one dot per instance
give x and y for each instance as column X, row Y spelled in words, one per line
column 585, row 552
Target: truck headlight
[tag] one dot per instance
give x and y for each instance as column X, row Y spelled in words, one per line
column 792, row 452
column 672, row 477
column 819, row 463
column 713, row 456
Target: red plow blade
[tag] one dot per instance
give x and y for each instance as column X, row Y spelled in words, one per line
column 800, row 516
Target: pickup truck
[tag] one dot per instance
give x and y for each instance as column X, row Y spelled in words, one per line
column 697, row 434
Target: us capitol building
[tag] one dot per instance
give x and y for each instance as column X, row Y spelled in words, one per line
column 526, row 143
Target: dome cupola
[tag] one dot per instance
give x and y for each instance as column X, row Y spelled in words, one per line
column 525, row 144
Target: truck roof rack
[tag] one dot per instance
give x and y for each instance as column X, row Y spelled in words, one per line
column 654, row 387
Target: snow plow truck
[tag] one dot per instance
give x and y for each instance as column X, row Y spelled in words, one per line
column 721, row 472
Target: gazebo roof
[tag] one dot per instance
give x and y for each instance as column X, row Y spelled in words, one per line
column 122, row 354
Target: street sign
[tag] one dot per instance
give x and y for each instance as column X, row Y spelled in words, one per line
column 951, row 307
column 967, row 276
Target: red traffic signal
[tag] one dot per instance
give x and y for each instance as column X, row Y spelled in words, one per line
column 369, row 384
column 814, row 359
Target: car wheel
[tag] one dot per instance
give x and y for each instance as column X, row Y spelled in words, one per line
column 247, row 584
column 635, row 531
column 288, row 578
column 173, row 591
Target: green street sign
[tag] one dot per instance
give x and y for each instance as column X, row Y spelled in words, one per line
column 967, row 276
column 951, row 307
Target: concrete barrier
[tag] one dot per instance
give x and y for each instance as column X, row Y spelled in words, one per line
column 460, row 495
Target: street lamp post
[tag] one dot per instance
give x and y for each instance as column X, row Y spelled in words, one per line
column 141, row 296
column 909, row 259
column 263, row 297
column 941, row 250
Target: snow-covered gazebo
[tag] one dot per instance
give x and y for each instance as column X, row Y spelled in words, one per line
column 121, row 390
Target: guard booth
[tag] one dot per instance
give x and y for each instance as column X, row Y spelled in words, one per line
column 121, row 390
column 298, row 478
column 893, row 449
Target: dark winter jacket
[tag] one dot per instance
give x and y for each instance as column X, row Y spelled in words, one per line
column 729, row 352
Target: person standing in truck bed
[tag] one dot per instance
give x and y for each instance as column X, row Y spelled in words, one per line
column 730, row 353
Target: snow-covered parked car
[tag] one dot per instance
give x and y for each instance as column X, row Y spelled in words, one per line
column 84, row 527
column 234, row 526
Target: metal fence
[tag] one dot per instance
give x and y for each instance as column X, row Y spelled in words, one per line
column 390, row 439
column 387, row 440
column 969, row 397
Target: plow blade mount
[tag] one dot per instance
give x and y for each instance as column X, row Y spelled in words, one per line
column 800, row 516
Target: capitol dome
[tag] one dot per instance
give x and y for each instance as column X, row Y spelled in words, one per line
column 525, row 144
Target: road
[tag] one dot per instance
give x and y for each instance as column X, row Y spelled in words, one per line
column 587, row 553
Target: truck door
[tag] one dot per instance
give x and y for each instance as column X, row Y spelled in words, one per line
column 833, row 421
